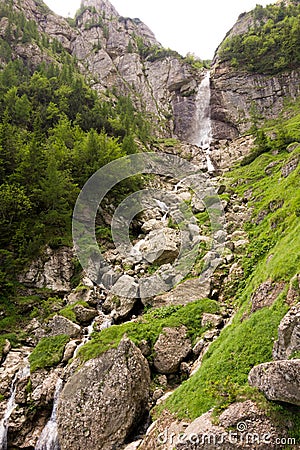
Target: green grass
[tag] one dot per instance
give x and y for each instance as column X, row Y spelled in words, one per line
column 222, row 378
column 149, row 327
column 48, row 352
column 68, row 311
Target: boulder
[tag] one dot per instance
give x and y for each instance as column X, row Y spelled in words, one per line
column 126, row 287
column 61, row 325
column 118, row 307
column 288, row 335
column 104, row 401
column 241, row 426
column 211, row 320
column 84, row 315
column 265, row 295
column 290, row 166
column 278, row 380
column 171, row 348
column 184, row 293
column 160, row 246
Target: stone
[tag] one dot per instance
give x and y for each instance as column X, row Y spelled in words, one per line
column 84, row 315
column 104, row 400
column 265, row 295
column 238, row 428
column 153, row 224
column 290, row 166
column 160, row 246
column 288, row 335
column 184, row 293
column 171, row 348
column 69, row 351
column 198, row 347
column 118, row 307
column 61, row 325
column 211, row 320
column 126, row 287
column 278, row 380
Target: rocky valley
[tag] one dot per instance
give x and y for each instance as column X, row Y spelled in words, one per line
column 165, row 312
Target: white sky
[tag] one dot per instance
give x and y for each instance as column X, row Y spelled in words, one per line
column 195, row 26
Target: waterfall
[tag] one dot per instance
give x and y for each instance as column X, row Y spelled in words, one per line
column 48, row 439
column 202, row 136
column 21, row 374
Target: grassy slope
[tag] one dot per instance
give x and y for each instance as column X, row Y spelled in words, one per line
column 273, row 254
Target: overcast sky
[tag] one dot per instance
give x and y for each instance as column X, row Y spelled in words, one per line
column 195, row 26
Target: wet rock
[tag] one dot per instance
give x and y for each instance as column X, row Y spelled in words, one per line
column 290, row 166
column 288, row 335
column 69, row 351
column 62, row 325
column 278, row 380
column 186, row 292
column 103, row 402
column 171, row 348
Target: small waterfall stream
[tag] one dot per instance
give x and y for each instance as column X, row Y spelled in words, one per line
column 202, row 136
column 21, row 374
column 48, row 439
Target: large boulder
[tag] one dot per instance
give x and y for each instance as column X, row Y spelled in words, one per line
column 288, row 335
column 186, row 292
column 171, row 348
column 278, row 380
column 104, row 401
column 61, row 325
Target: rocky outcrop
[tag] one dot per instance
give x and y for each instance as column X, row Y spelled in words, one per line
column 61, row 325
column 53, row 270
column 105, row 400
column 233, row 94
column 288, row 335
column 265, row 295
column 278, row 380
column 171, row 348
column 186, row 292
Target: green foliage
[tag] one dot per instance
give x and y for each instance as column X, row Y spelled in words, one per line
column 272, row 43
column 48, row 352
column 149, row 327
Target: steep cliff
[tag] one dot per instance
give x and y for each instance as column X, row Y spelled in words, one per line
column 255, row 71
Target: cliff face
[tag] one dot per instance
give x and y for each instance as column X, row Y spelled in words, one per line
column 235, row 92
column 123, row 55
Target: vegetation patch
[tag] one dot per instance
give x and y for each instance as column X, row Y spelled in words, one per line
column 48, row 352
column 149, row 327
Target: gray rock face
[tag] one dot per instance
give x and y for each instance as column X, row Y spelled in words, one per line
column 102, row 403
column 278, row 380
column 234, row 92
column 171, row 348
column 186, row 292
column 61, row 325
column 265, row 295
column 53, row 270
column 288, row 335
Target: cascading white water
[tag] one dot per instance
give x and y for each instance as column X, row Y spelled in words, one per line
column 22, row 373
column 48, row 439
column 202, row 136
